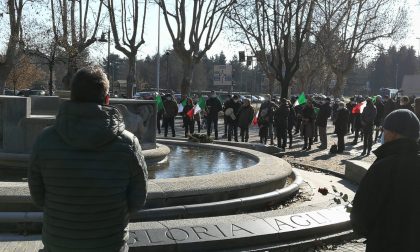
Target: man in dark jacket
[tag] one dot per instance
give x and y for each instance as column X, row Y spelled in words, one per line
column 87, row 172
column 385, row 208
column 321, row 121
column 379, row 117
column 170, row 111
column 213, row 107
column 267, row 109
column 245, row 116
column 350, row 105
column 341, row 126
column 231, row 111
column 389, row 105
column 291, row 122
column 308, row 124
column 281, row 117
column 367, row 119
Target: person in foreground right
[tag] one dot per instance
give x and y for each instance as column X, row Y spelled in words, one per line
column 386, row 209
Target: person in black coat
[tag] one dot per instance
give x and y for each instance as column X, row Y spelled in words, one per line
column 232, row 107
column 188, row 119
column 308, row 124
column 379, row 117
column 245, row 116
column 322, row 120
column 213, row 107
column 385, row 207
column 368, row 119
column 341, row 125
column 389, row 105
column 291, row 123
column 350, row 105
column 281, row 116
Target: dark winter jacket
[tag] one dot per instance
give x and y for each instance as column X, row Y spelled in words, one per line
column 281, row 117
column 342, row 121
column 379, row 113
column 406, row 106
column 385, row 208
column 308, row 121
column 245, row 116
column 171, row 108
column 213, row 106
column 267, row 109
column 368, row 115
column 292, row 118
column 389, row 106
column 187, row 109
column 235, row 106
column 323, row 115
column 88, row 174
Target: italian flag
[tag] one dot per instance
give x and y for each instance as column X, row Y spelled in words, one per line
column 255, row 120
column 300, row 100
column 159, row 102
column 181, row 105
column 201, row 105
column 190, row 113
column 358, row 109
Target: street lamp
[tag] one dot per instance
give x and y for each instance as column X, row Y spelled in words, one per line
column 104, row 39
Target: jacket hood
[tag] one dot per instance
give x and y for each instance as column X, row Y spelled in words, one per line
column 88, row 125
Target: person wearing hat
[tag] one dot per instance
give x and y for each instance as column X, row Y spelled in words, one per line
column 385, row 208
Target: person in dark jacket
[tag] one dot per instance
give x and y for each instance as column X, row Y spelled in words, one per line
column 385, row 207
column 245, row 116
column 379, row 117
column 308, row 124
column 350, row 105
column 267, row 109
column 188, row 117
column 87, row 172
column 213, row 107
column 389, row 105
column 405, row 103
column 291, row 122
column 232, row 107
column 367, row 119
column 341, row 126
column 281, row 117
column 170, row 111
column 417, row 107
column 321, row 122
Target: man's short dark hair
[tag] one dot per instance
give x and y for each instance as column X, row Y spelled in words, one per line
column 89, row 84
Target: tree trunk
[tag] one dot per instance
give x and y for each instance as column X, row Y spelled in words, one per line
column 188, row 68
column 338, row 89
column 271, row 80
column 131, row 77
column 50, row 81
column 71, row 70
column 284, row 90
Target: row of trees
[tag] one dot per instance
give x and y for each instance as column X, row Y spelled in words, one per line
column 290, row 39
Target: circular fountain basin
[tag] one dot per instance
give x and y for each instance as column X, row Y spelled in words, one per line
column 268, row 174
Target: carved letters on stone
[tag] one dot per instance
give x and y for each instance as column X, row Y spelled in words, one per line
column 223, row 231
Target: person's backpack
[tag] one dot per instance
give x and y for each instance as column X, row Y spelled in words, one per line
column 334, row 149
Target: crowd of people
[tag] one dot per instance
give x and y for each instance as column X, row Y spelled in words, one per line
column 281, row 119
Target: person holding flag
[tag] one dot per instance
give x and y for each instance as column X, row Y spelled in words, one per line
column 188, row 117
column 170, row 111
column 232, row 107
column 213, row 107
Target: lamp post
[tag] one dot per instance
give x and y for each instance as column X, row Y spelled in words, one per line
column 104, row 39
column 418, row 51
column 158, row 52
column 167, row 69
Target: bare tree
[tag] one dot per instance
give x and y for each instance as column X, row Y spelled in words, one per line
column 276, row 30
column 206, row 23
column 72, row 30
column 14, row 9
column 346, row 28
column 125, row 30
column 23, row 74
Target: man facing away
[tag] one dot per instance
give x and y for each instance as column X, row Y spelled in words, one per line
column 87, row 172
column 386, row 206
column 213, row 107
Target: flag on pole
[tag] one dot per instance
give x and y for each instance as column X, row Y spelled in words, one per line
column 201, row 105
column 159, row 102
column 300, row 100
column 190, row 113
column 358, row 109
column 255, row 120
column 181, row 105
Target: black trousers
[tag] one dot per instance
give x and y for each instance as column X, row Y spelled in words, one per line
column 169, row 122
column 281, row 137
column 340, row 142
column 306, row 140
column 210, row 121
column 290, row 133
column 233, row 131
column 244, row 134
column 367, row 137
column 189, row 126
